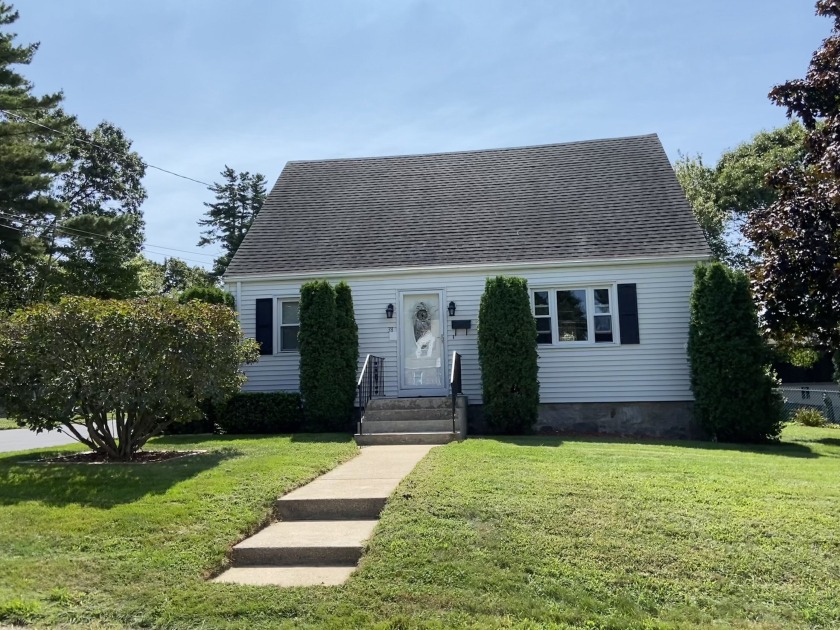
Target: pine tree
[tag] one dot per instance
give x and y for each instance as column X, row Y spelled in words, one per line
column 30, row 161
column 238, row 201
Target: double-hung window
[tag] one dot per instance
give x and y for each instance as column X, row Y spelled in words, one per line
column 574, row 315
column 288, row 322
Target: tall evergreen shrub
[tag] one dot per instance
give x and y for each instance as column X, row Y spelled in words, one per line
column 347, row 348
column 319, row 359
column 733, row 385
column 507, row 351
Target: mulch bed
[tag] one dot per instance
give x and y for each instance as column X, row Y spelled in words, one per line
column 142, row 457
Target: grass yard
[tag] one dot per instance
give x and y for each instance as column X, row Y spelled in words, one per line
column 507, row 533
column 5, row 423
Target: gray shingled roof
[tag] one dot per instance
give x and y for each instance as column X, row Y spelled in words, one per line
column 599, row 199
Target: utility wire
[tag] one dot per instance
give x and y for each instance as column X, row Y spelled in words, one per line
column 164, row 254
column 105, row 237
column 79, row 232
column 96, row 144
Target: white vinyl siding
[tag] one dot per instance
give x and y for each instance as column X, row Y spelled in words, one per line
column 653, row 370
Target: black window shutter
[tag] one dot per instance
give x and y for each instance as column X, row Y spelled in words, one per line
column 628, row 313
column 265, row 326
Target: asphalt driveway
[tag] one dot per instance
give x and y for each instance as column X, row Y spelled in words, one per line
column 24, row 439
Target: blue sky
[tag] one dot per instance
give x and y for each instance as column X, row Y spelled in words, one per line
column 198, row 84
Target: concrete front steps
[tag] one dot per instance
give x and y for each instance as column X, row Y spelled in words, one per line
column 426, row 420
column 306, row 543
column 325, row 524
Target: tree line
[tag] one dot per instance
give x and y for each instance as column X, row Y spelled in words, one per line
column 71, row 201
column 771, row 207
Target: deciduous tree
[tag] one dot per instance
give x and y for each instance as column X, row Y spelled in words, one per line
column 171, row 277
column 70, row 218
column 797, row 237
column 723, row 196
column 97, row 238
column 142, row 363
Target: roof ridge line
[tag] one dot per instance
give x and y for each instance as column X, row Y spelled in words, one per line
column 473, row 151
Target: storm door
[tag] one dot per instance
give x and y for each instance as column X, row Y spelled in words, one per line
column 422, row 354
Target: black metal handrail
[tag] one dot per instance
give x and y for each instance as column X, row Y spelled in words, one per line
column 371, row 385
column 455, row 384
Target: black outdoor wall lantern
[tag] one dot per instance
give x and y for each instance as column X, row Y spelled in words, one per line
column 389, row 311
column 451, row 309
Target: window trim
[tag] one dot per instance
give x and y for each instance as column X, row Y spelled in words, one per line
column 278, row 327
column 589, row 288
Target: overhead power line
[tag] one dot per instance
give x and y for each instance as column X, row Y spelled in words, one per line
column 104, row 237
column 96, row 144
column 201, row 262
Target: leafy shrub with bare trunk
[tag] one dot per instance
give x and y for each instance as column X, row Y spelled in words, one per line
column 124, row 369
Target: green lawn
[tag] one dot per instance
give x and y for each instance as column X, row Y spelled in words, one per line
column 8, row 424
column 507, row 533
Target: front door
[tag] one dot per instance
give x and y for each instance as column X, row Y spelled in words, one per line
column 422, row 338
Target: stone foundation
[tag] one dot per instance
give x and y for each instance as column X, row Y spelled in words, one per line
column 665, row 420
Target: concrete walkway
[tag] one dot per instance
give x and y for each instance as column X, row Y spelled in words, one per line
column 324, row 525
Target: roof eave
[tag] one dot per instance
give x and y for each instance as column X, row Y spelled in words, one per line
column 512, row 266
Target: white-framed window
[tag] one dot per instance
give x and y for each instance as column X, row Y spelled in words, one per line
column 288, row 324
column 575, row 315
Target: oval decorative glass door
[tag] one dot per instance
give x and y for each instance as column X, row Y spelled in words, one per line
column 422, row 338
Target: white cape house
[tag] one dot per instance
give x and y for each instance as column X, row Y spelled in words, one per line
column 600, row 229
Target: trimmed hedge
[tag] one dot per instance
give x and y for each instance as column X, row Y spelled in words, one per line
column 205, row 424
column 275, row 412
column 507, row 352
column 733, row 384
column 209, row 295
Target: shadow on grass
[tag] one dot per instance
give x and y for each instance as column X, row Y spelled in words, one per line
column 785, row 449
column 522, row 440
column 305, row 438
column 200, row 440
column 97, row 485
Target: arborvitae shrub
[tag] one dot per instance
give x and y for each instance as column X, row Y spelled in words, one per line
column 320, row 361
column 733, row 385
column 507, row 350
column 209, row 295
column 347, row 348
